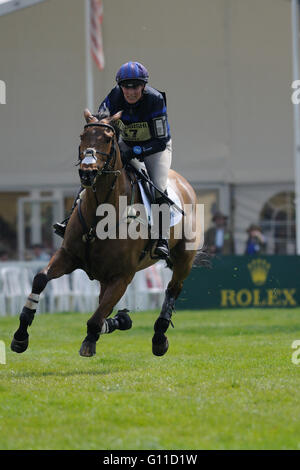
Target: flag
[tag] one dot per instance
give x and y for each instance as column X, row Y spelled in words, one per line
column 96, row 18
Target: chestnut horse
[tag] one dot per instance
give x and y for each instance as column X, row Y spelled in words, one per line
column 113, row 262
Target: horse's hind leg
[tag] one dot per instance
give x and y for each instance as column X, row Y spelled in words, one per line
column 61, row 263
column 182, row 265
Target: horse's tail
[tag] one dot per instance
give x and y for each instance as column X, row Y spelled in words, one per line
column 203, row 258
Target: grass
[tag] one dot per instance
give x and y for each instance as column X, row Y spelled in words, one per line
column 227, row 382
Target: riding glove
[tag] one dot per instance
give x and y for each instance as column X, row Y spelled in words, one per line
column 135, row 152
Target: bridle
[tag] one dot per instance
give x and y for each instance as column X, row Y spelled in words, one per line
column 90, row 176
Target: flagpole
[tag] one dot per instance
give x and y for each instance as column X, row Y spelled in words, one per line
column 88, row 59
column 295, row 37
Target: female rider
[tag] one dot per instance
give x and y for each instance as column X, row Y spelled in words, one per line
column 144, row 131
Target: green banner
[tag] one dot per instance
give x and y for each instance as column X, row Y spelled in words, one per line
column 243, row 281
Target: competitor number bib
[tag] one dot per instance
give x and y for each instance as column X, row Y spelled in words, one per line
column 135, row 132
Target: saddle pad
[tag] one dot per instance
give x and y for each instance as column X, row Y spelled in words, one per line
column 175, row 215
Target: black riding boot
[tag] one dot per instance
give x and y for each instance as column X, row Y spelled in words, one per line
column 60, row 228
column 162, row 247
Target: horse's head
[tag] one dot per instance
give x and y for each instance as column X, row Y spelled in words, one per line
column 98, row 151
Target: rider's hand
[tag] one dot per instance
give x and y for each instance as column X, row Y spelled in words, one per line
column 138, row 152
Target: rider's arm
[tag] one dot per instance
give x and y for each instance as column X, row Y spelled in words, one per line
column 153, row 146
column 141, row 152
column 159, row 128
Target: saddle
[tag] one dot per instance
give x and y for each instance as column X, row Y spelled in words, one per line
column 147, row 191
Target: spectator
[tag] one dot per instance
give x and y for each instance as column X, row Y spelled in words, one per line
column 219, row 239
column 39, row 253
column 256, row 242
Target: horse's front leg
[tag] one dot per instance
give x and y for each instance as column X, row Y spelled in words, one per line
column 61, row 263
column 111, row 293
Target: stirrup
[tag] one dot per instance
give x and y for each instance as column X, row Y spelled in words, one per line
column 60, row 228
column 162, row 249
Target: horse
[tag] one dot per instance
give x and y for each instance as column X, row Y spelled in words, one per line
column 112, row 261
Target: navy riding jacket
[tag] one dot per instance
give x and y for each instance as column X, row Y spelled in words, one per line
column 144, row 123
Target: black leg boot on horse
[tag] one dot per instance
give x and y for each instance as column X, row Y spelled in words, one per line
column 20, row 340
column 60, row 227
column 121, row 321
column 160, row 342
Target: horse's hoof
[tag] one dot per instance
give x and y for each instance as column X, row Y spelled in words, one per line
column 160, row 345
column 87, row 349
column 124, row 320
column 19, row 346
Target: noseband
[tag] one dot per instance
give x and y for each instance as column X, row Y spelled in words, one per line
column 88, row 177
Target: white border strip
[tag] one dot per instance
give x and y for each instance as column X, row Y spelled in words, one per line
column 9, row 6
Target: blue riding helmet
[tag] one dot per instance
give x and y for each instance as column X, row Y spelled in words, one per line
column 132, row 71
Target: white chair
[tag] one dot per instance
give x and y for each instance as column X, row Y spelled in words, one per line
column 13, row 289
column 59, row 294
column 94, row 292
column 150, row 288
column 166, row 274
column 85, row 293
column 2, row 299
column 79, row 300
column 128, row 299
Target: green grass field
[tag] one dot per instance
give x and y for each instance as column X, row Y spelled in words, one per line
column 227, row 382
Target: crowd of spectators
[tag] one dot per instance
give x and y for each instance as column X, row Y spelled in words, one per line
column 219, row 238
column 36, row 252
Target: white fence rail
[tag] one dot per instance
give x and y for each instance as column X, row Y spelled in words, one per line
column 75, row 292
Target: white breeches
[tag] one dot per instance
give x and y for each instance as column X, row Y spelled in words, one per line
column 157, row 165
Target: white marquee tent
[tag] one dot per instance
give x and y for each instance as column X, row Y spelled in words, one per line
column 227, row 67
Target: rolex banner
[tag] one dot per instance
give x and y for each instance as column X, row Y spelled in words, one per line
column 243, row 281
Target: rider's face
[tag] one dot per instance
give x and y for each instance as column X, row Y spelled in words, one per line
column 133, row 94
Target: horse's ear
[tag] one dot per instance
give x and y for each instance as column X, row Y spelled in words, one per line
column 89, row 117
column 116, row 116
